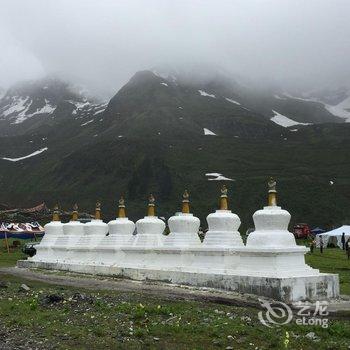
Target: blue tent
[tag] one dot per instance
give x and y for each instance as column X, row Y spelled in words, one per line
column 317, row 231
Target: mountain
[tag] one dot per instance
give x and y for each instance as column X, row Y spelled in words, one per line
column 151, row 105
column 335, row 100
column 33, row 104
column 162, row 134
column 264, row 100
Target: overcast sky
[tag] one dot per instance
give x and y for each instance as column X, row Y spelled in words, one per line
column 101, row 43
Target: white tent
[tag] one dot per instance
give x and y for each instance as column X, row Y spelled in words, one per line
column 334, row 236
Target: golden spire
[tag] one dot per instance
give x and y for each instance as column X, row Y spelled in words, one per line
column 75, row 212
column 272, row 192
column 121, row 210
column 98, row 211
column 151, row 206
column 186, row 202
column 223, row 198
column 56, row 213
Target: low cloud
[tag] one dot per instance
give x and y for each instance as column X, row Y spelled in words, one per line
column 100, row 44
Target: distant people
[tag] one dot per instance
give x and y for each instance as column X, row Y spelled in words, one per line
column 312, row 246
column 343, row 240
column 347, row 247
column 201, row 234
column 321, row 245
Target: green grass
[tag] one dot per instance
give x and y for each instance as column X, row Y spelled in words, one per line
column 10, row 259
column 333, row 260
column 112, row 320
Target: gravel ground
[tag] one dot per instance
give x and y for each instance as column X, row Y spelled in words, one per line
column 123, row 285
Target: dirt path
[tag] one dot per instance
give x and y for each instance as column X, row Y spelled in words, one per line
column 124, row 285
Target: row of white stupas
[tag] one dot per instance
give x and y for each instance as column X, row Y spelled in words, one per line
column 270, row 264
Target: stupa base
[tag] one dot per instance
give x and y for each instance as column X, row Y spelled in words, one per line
column 290, row 289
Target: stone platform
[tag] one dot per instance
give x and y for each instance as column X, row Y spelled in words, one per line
column 286, row 289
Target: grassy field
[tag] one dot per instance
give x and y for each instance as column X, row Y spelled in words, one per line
column 7, row 260
column 333, row 260
column 59, row 317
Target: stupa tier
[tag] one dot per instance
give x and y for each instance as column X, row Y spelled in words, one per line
column 270, row 264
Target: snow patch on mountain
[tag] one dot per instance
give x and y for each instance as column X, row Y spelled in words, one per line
column 165, row 84
column 299, row 98
column 217, row 177
column 98, row 112
column 232, row 101
column 279, row 97
column 87, row 106
column 341, row 110
column 208, row 132
column 17, row 109
column 46, row 109
column 206, row 94
column 79, row 105
column 284, row 121
column 28, row 156
column 18, row 104
column 88, row 122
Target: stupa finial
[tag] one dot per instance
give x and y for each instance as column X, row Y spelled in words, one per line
column 75, row 212
column 151, row 206
column 98, row 211
column 223, row 198
column 121, row 208
column 186, row 202
column 56, row 213
column 272, row 192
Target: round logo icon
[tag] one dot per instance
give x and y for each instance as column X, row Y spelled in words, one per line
column 276, row 313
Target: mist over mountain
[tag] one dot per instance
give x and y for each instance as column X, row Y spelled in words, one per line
column 100, row 45
column 107, row 98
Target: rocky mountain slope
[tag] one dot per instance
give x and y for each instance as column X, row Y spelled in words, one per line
column 31, row 105
column 162, row 134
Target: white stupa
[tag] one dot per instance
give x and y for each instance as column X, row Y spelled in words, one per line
column 223, row 226
column 149, row 229
column 270, row 265
column 183, row 227
column 271, row 225
column 94, row 231
column 53, row 230
column 72, row 231
column 109, row 248
column 96, row 228
column 121, row 229
column 271, row 249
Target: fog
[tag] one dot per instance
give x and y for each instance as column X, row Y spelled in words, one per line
column 102, row 43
